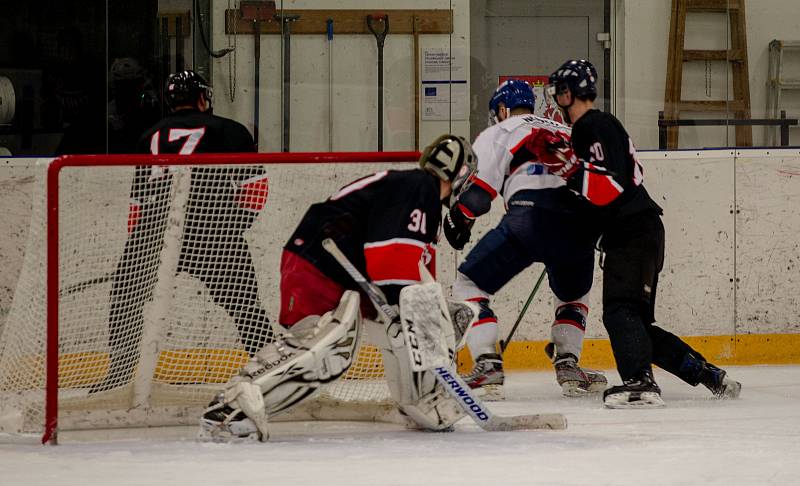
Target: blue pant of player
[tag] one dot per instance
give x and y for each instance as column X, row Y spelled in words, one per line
column 528, row 233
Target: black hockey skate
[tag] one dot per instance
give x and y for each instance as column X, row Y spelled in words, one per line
column 698, row 370
column 641, row 391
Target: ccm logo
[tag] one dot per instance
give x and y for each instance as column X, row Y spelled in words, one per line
column 413, row 343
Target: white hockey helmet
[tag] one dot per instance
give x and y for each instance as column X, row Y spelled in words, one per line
column 451, row 159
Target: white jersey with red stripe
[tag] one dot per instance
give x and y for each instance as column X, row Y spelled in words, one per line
column 505, row 164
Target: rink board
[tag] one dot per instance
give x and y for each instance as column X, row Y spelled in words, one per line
column 730, row 273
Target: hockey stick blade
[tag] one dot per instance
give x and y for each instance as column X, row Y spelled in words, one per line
column 449, row 379
column 477, row 410
column 548, row 421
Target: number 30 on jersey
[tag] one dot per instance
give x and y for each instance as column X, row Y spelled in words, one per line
column 418, row 221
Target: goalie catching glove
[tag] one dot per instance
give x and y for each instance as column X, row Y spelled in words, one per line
column 554, row 151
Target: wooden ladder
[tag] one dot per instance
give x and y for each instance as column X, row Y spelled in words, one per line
column 736, row 55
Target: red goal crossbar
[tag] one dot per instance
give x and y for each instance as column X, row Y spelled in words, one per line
column 52, row 206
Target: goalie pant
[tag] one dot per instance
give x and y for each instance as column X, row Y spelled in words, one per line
column 223, row 203
column 633, row 249
column 544, row 222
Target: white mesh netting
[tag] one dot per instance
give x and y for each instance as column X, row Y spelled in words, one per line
column 167, row 275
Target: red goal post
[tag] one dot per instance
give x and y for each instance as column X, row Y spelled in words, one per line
column 338, row 170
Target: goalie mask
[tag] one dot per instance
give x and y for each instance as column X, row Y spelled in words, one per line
column 512, row 94
column 451, row 159
column 184, row 88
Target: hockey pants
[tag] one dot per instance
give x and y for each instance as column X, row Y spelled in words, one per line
column 633, row 255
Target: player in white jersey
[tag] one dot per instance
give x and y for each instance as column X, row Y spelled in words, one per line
column 545, row 222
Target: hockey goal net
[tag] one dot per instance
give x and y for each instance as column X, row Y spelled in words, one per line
column 147, row 280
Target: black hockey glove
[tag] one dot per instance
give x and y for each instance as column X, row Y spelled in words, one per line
column 457, row 227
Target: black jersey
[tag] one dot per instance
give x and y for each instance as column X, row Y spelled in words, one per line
column 222, row 199
column 193, row 132
column 612, row 176
column 384, row 223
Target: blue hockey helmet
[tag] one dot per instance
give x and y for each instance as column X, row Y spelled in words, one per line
column 513, row 94
column 577, row 75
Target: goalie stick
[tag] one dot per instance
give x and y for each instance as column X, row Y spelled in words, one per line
column 447, row 376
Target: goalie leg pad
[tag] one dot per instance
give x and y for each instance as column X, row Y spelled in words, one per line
column 426, row 326
column 291, row 369
column 436, row 411
column 417, row 393
column 463, row 315
column 422, row 340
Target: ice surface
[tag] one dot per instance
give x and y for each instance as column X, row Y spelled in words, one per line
column 695, row 440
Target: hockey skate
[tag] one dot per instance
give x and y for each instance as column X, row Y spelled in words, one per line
column 487, row 377
column 641, row 391
column 223, row 423
column 574, row 380
column 719, row 383
column 712, row 377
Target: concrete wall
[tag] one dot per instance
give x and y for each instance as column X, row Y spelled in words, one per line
column 641, row 31
column 354, row 80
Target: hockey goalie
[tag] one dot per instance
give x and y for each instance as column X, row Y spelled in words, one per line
column 385, row 224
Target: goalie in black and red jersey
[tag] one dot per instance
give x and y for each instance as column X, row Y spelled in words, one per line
column 601, row 165
column 386, row 225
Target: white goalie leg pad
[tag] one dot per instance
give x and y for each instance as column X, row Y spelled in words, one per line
column 426, row 324
column 463, row 314
column 316, row 351
column 422, row 340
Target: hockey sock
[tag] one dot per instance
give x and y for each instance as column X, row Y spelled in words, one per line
column 482, row 338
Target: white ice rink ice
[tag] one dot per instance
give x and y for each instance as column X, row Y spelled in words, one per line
column 695, row 440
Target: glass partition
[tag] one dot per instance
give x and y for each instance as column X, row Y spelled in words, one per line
column 88, row 77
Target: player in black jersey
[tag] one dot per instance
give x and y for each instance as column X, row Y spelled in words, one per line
column 601, row 166
column 223, row 203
